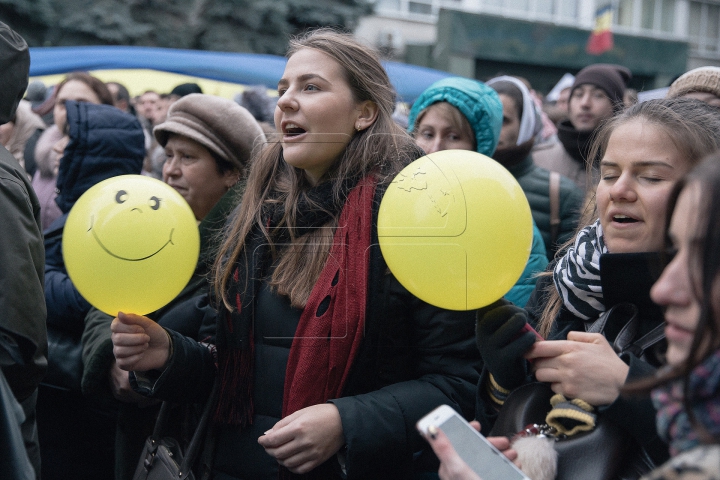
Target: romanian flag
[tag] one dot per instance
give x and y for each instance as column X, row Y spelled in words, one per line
column 601, row 38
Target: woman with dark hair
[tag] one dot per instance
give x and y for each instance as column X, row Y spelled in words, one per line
column 325, row 361
column 605, row 274
column 687, row 392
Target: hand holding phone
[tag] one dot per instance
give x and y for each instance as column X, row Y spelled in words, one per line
column 475, row 450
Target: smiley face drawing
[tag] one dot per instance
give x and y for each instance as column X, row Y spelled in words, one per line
column 130, row 244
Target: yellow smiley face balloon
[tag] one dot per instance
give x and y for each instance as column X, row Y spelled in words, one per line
column 455, row 229
column 130, row 244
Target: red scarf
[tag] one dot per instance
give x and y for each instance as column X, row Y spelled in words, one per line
column 325, row 345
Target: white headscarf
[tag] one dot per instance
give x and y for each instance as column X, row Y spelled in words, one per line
column 530, row 124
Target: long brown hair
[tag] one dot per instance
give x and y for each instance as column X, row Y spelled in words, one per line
column 383, row 148
column 692, row 126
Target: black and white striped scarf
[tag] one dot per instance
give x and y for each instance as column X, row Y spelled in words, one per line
column 577, row 274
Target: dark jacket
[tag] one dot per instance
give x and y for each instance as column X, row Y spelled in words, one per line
column 104, row 142
column 625, row 278
column 22, row 304
column 21, row 276
column 23, row 347
column 413, row 358
column 535, row 182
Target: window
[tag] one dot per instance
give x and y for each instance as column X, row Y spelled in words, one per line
column 704, row 27
column 493, row 3
column 388, row 5
column 625, row 12
column 418, row 7
column 558, row 10
column 711, row 32
column 646, row 15
column 667, row 16
column 562, row 11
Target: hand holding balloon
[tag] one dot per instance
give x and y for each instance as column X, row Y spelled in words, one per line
column 139, row 343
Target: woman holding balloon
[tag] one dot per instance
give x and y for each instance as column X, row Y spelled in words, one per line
column 325, row 361
column 208, row 142
column 458, row 113
column 605, row 274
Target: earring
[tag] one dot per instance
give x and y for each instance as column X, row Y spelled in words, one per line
column 357, row 127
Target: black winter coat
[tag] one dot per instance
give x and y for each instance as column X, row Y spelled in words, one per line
column 413, row 358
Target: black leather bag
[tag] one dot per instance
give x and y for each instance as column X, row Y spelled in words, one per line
column 163, row 458
column 65, row 366
column 600, row 454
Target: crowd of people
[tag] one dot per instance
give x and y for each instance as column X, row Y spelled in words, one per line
column 315, row 360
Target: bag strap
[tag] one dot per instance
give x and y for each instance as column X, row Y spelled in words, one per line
column 554, row 208
column 646, row 341
column 156, row 434
column 161, row 421
column 624, row 340
column 199, row 434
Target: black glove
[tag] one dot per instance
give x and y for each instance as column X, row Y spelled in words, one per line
column 502, row 344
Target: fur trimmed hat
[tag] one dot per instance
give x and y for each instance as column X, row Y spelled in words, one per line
column 14, row 68
column 218, row 124
column 612, row 79
column 703, row 79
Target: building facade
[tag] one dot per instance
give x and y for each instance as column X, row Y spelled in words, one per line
column 543, row 39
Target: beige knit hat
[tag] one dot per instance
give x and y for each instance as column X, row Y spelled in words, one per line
column 703, row 79
column 220, row 125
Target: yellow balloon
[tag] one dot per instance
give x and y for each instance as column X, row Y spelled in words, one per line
column 130, row 244
column 455, row 229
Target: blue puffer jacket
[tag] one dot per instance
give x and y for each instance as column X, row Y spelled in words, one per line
column 104, row 142
column 482, row 108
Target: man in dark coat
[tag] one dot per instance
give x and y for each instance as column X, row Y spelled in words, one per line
column 22, row 324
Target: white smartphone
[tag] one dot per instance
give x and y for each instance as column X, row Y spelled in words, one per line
column 480, row 455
